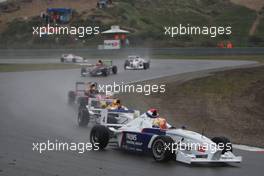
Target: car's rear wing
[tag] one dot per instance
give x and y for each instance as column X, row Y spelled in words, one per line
column 105, row 62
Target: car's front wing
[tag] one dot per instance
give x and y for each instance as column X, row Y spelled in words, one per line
column 228, row 157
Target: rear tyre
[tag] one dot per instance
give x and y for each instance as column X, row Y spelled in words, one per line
column 145, row 66
column 114, row 69
column 99, row 136
column 62, row 60
column 74, row 60
column 83, row 117
column 105, row 72
column 126, row 64
column 224, row 143
column 71, row 97
column 148, row 65
column 160, row 151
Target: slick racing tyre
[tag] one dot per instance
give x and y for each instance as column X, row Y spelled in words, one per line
column 74, row 60
column 126, row 64
column 83, row 117
column 114, row 69
column 71, row 97
column 105, row 72
column 161, row 148
column 62, row 60
column 145, row 66
column 100, row 136
column 224, row 143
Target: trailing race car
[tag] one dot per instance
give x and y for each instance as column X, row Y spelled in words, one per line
column 80, row 94
column 72, row 58
column 103, row 68
column 84, row 91
column 96, row 111
column 165, row 142
column 136, row 63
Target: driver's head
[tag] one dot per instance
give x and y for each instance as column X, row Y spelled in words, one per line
column 93, row 86
column 160, row 123
column 118, row 102
column 152, row 113
column 114, row 102
column 100, row 61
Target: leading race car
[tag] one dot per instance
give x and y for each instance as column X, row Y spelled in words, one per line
column 71, row 58
column 164, row 142
column 102, row 68
column 136, row 63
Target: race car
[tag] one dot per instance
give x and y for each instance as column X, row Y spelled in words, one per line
column 71, row 58
column 104, row 69
column 78, row 95
column 97, row 111
column 141, row 135
column 136, row 63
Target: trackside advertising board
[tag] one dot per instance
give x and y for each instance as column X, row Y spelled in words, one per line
column 111, row 44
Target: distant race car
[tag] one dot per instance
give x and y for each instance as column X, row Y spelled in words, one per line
column 71, row 58
column 103, row 70
column 96, row 110
column 139, row 135
column 136, row 63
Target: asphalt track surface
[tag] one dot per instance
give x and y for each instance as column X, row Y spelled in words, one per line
column 34, row 109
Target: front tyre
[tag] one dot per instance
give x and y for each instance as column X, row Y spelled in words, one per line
column 99, row 136
column 145, row 66
column 224, row 143
column 114, row 69
column 161, row 148
column 83, row 117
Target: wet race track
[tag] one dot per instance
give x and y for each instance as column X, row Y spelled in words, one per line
column 34, row 109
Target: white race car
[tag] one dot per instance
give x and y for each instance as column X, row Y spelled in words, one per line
column 71, row 58
column 136, row 63
column 139, row 135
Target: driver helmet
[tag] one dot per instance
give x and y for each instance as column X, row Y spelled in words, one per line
column 93, row 86
column 152, row 113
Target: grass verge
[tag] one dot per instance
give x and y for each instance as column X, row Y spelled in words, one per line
column 35, row 67
column 228, row 103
